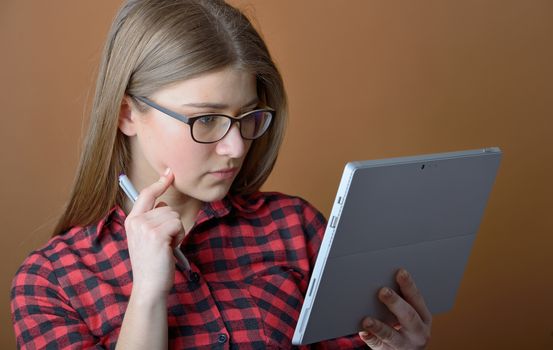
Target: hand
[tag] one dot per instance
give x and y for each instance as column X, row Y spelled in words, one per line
column 415, row 320
column 152, row 233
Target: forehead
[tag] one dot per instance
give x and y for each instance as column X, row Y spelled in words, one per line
column 228, row 86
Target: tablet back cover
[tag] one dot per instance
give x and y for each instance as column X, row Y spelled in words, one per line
column 421, row 213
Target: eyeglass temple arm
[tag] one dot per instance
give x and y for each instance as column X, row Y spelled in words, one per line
column 170, row 113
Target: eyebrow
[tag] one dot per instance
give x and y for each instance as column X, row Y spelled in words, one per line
column 213, row 105
column 218, row 105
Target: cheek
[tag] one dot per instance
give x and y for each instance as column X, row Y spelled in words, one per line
column 185, row 160
column 185, row 157
column 169, row 146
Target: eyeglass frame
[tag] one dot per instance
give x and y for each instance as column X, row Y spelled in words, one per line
column 191, row 120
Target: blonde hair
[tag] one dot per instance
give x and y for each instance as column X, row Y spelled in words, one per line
column 152, row 44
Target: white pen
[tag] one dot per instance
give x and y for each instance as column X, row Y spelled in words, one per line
column 132, row 193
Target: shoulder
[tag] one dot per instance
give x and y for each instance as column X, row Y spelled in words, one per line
column 68, row 248
column 37, row 278
column 269, row 200
column 291, row 216
column 278, row 206
column 42, row 266
column 40, row 261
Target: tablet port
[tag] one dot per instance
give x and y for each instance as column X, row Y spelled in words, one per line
column 333, row 221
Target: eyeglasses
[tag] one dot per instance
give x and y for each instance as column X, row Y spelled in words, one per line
column 212, row 127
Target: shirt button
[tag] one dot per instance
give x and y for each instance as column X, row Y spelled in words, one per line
column 194, row 276
column 222, row 338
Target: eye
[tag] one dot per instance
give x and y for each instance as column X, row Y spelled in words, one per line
column 207, row 119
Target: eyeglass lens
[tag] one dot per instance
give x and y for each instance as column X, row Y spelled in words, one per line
column 212, row 128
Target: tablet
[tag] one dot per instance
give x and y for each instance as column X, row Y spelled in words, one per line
column 421, row 213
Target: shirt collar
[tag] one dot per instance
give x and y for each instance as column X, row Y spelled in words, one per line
column 221, row 208
column 216, row 209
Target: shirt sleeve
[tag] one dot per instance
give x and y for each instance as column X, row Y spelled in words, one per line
column 314, row 227
column 41, row 313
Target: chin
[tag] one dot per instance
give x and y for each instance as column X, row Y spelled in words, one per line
column 213, row 194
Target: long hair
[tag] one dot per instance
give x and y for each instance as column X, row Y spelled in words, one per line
column 152, row 44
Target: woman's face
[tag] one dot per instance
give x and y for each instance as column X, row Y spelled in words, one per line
column 202, row 171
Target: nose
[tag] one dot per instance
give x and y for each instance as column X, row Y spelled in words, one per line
column 232, row 145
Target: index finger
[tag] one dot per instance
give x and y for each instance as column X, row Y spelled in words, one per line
column 412, row 295
column 147, row 198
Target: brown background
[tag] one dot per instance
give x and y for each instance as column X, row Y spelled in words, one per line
column 366, row 79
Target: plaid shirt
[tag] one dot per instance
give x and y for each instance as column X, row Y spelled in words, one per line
column 253, row 257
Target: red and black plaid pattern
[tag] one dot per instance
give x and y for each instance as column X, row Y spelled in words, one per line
column 253, row 256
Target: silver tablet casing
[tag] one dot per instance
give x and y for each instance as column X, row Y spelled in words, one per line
column 421, row 213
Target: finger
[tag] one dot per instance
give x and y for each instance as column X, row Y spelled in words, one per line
column 154, row 217
column 407, row 316
column 181, row 234
column 147, row 197
column 371, row 340
column 412, row 295
column 167, row 230
column 377, row 334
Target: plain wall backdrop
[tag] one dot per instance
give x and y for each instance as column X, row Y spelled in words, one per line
column 366, row 79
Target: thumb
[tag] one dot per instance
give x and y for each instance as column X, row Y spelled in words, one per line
column 147, row 197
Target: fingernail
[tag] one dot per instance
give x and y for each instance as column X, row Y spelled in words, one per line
column 386, row 292
column 368, row 323
column 167, row 172
column 404, row 275
column 365, row 335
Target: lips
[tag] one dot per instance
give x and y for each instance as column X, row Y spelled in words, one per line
column 227, row 173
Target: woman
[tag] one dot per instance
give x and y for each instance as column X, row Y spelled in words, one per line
column 191, row 107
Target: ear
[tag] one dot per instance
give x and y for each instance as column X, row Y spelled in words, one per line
column 127, row 123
